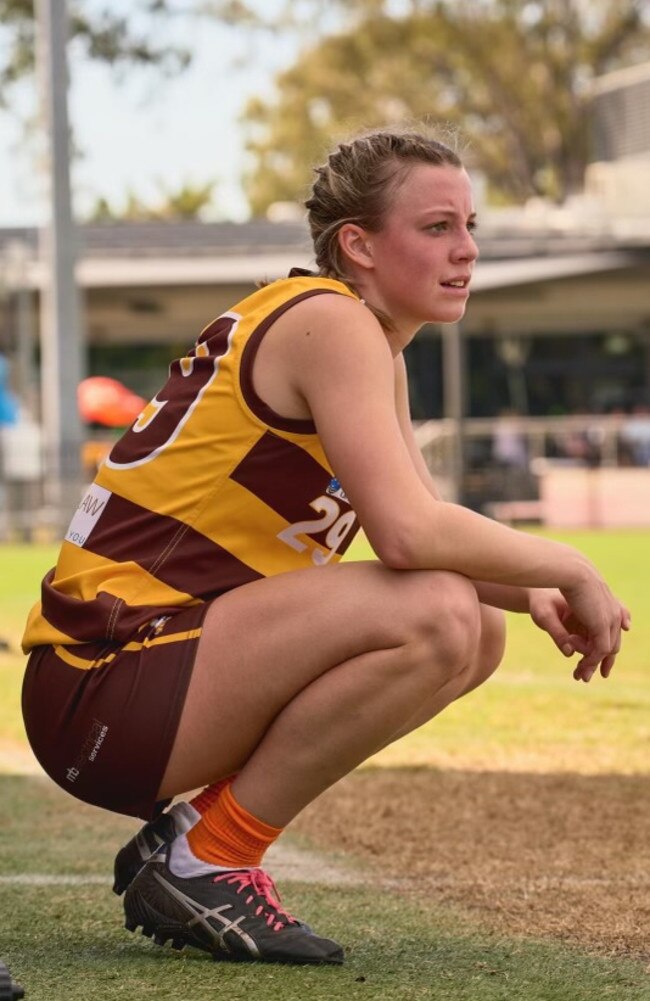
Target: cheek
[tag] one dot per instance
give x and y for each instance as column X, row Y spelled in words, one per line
column 411, row 256
column 410, row 261
column 420, row 264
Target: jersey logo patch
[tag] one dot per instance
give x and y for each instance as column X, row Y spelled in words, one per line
column 335, row 489
column 87, row 515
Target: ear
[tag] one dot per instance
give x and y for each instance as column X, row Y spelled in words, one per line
column 355, row 244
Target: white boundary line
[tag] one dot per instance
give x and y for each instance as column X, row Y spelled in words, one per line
column 285, row 862
column 42, row 879
column 317, row 873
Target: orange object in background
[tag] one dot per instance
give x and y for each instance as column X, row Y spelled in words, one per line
column 106, row 401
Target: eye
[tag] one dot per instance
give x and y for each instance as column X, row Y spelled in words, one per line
column 472, row 226
column 438, row 227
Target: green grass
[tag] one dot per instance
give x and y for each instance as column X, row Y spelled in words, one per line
column 78, row 950
column 67, row 941
column 21, row 571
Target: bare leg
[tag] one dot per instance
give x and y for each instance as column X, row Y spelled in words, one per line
column 321, row 762
column 301, row 677
column 487, row 658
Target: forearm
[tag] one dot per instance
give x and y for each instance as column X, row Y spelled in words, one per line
column 505, row 596
column 445, row 536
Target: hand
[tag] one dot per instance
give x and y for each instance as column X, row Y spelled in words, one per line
column 557, row 616
column 550, row 611
column 600, row 618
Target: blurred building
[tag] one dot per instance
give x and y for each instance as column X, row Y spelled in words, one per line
column 619, row 176
column 558, row 325
column 558, row 322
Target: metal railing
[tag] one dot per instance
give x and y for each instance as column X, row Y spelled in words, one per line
column 485, row 463
column 491, row 460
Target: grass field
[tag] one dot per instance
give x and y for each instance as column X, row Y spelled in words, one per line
column 532, row 737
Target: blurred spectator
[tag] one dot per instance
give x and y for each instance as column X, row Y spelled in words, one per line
column 509, row 443
column 580, row 447
column 21, row 472
column 635, row 434
column 8, row 402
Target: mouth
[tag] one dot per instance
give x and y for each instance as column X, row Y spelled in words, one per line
column 461, row 283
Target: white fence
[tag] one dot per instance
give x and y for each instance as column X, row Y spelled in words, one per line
column 516, row 469
column 570, row 470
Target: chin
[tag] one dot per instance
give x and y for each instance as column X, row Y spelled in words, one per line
column 447, row 315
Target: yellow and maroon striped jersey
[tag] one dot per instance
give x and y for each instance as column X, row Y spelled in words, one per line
column 208, row 489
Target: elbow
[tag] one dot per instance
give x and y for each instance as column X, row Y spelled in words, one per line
column 396, row 549
column 402, row 534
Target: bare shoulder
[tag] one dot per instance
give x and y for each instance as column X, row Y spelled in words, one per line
column 330, row 312
column 333, row 329
column 326, row 339
column 321, row 341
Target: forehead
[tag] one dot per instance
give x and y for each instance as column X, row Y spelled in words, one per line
column 426, row 187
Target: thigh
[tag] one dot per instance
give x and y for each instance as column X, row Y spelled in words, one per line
column 101, row 719
column 266, row 641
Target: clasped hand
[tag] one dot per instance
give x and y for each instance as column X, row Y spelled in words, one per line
column 585, row 620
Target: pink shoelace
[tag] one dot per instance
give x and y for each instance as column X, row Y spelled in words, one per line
column 263, row 886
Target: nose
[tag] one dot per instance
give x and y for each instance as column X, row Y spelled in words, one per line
column 466, row 249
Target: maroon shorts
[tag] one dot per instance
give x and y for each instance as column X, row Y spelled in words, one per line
column 101, row 718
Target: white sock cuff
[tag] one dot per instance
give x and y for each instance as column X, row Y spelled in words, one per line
column 183, row 862
column 185, row 816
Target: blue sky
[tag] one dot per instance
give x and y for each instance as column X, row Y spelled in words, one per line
column 144, row 130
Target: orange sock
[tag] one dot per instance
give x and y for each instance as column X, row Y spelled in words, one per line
column 204, row 800
column 230, row 836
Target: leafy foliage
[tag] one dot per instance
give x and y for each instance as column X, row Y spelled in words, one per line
column 186, row 202
column 105, row 35
column 513, row 75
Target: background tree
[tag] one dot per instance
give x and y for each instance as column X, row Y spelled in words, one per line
column 106, row 36
column 143, row 36
column 135, row 38
column 512, row 74
column 186, row 202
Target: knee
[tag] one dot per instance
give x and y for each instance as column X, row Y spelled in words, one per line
column 490, row 648
column 447, row 622
column 492, row 642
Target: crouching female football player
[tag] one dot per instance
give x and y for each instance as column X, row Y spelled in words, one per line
column 199, row 630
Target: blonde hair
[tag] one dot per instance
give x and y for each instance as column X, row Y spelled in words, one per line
column 357, row 183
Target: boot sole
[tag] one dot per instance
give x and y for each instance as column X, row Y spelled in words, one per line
column 139, row 914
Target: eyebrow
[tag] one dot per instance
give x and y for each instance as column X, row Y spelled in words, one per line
column 446, row 212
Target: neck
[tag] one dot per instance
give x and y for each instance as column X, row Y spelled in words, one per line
column 399, row 331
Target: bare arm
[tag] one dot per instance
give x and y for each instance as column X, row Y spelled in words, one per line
column 344, row 370
column 547, row 607
column 513, row 599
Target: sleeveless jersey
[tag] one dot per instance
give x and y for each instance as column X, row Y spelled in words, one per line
column 209, row 489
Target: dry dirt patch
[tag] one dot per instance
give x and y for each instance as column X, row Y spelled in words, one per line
column 565, row 856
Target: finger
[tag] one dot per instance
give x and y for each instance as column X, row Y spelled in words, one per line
column 607, row 665
column 584, row 672
column 599, row 648
column 626, row 618
column 579, row 644
column 615, row 638
column 570, row 643
column 552, row 624
column 586, row 669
